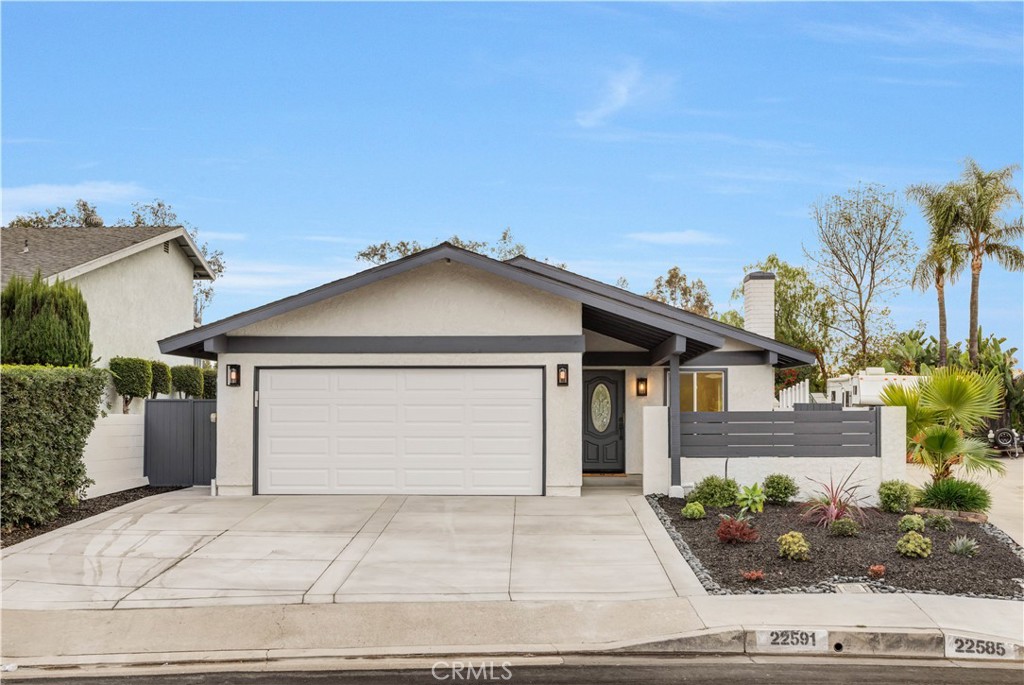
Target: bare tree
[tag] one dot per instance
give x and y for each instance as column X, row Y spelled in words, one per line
column 863, row 256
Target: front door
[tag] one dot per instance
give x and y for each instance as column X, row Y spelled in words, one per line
column 604, row 435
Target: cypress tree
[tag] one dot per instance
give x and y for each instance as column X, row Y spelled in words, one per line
column 44, row 324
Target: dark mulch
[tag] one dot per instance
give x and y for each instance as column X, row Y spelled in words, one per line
column 85, row 509
column 991, row 572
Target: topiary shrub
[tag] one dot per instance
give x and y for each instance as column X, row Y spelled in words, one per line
column 939, row 522
column 794, row 546
column 132, row 378
column 187, row 380
column 44, row 324
column 957, row 495
column 714, row 491
column 896, row 496
column 47, row 416
column 161, row 378
column 844, row 528
column 911, row 522
column 209, row 384
column 693, row 511
column 780, row 489
column 913, row 544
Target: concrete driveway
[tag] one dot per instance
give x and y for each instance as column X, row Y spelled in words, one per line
column 186, row 548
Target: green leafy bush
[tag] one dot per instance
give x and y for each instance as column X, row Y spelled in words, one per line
column 913, row 544
column 714, row 491
column 132, row 378
column 964, row 546
column 161, row 378
column 44, row 324
column 779, row 489
column 939, row 522
column 911, row 522
column 209, row 384
column 794, row 546
column 188, row 380
column 896, row 496
column 693, row 511
column 47, row 416
column 751, row 498
column 957, row 495
column 844, row 528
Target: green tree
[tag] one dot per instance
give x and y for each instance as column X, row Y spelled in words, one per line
column 132, row 378
column 912, row 355
column 676, row 289
column 505, row 248
column 862, row 259
column 44, row 323
column 83, row 214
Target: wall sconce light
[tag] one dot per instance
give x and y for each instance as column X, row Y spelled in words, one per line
column 563, row 374
column 234, row 376
column 641, row 387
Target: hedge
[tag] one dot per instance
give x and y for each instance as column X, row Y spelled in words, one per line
column 132, row 377
column 47, row 416
column 209, row 384
column 188, row 380
column 44, row 324
column 161, row 378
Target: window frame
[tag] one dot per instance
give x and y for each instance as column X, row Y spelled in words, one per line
column 701, row 369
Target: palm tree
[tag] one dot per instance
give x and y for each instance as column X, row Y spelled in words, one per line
column 981, row 233
column 942, row 262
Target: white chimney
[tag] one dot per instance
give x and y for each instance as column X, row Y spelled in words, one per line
column 759, row 303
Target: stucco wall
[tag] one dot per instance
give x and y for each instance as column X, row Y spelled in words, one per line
column 113, row 454
column 748, row 388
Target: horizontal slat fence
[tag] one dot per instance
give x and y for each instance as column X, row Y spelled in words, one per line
column 780, row 434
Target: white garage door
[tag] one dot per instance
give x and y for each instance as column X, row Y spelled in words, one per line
column 388, row 431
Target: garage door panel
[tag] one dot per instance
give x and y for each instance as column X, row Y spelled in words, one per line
column 366, row 480
column 350, row 445
column 433, row 415
column 299, row 445
column 305, row 478
column 435, row 447
column 305, row 384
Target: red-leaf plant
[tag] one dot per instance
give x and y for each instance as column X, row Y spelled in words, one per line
column 733, row 530
column 834, row 502
column 752, row 576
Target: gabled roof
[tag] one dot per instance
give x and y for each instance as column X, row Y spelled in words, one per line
column 609, row 307
column 70, row 252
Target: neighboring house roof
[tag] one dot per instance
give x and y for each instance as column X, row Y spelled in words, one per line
column 606, row 309
column 70, row 252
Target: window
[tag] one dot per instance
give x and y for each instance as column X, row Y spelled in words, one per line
column 702, row 391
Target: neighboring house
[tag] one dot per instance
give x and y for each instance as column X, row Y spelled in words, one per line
column 137, row 283
column 447, row 372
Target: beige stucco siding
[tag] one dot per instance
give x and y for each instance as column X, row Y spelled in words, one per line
column 748, row 388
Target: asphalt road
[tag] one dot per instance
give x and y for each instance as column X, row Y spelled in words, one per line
column 625, row 672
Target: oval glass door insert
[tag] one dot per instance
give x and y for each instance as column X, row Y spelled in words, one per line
column 601, row 408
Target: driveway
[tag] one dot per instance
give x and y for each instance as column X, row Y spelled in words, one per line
column 186, row 548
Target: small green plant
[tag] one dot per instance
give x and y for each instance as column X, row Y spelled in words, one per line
column 735, row 530
column 188, row 380
column 715, row 491
column 161, row 378
column 693, row 511
column 779, row 489
column 844, row 528
column 939, row 522
column 964, row 546
column 794, row 546
column 896, row 496
column 957, row 495
column 911, row 522
column 751, row 498
column 209, row 384
column 913, row 544
column 132, row 378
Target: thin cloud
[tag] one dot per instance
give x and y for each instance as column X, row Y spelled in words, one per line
column 623, row 89
column 687, row 237
column 36, row 197
column 281, row 278
column 333, row 239
column 218, row 235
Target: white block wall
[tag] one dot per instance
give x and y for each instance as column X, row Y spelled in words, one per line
column 113, row 454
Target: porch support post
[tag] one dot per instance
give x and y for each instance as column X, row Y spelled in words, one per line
column 674, row 451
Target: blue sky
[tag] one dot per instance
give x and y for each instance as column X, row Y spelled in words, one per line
column 621, row 139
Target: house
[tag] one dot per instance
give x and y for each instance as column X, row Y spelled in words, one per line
column 448, row 372
column 137, row 283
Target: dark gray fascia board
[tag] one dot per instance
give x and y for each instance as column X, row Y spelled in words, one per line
column 441, row 344
column 744, row 358
column 673, row 345
column 716, row 327
column 609, row 302
column 616, row 359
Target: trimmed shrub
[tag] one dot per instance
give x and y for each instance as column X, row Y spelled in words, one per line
column 794, row 546
column 911, row 522
column 693, row 511
column 844, row 528
column 714, row 491
column 964, row 546
column 44, row 324
column 896, row 496
column 734, row 530
column 209, row 384
column 132, row 378
column 957, row 495
column 188, row 380
column 161, row 378
column 913, row 544
column 47, row 416
column 939, row 522
column 780, row 489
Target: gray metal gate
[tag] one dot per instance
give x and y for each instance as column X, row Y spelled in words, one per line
column 180, row 446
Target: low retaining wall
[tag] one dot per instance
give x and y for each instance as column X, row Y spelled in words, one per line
column 113, row 454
